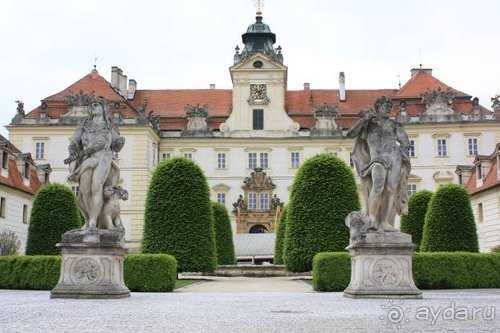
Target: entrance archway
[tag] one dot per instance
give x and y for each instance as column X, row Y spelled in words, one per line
column 258, row 229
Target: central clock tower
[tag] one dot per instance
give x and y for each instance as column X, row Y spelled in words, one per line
column 259, row 85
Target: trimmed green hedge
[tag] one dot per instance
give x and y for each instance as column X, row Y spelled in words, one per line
column 323, row 193
column 449, row 223
column 280, row 238
column 413, row 222
column 54, row 212
column 150, row 272
column 223, row 235
column 142, row 272
column 178, row 216
column 439, row 270
column 29, row 272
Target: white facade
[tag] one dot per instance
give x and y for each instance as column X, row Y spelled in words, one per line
column 16, row 215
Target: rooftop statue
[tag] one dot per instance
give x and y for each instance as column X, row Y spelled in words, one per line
column 381, row 160
column 91, row 164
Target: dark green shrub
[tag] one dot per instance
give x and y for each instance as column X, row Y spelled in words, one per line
column 413, row 222
column 29, row 272
column 178, row 216
column 280, row 238
column 443, row 270
column 223, row 235
column 331, row 271
column 323, row 194
column 54, row 212
column 142, row 272
column 449, row 223
column 150, row 272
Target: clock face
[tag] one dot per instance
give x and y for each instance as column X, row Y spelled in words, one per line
column 257, row 64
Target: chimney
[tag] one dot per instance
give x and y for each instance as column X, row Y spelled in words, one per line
column 132, row 87
column 115, row 77
column 307, row 86
column 342, row 86
column 416, row 70
column 123, row 84
column 212, row 86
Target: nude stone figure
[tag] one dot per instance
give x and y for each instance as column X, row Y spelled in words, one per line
column 91, row 162
column 381, row 160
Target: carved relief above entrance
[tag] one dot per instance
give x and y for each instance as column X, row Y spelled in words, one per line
column 258, row 209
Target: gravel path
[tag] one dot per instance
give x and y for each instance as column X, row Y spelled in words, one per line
column 33, row 311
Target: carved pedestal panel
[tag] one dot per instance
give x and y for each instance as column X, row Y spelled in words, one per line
column 381, row 266
column 91, row 265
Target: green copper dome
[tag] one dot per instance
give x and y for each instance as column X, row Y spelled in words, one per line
column 259, row 38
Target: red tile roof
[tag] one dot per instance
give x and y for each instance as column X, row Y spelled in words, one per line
column 491, row 180
column 90, row 83
column 16, row 179
column 170, row 104
column 420, row 83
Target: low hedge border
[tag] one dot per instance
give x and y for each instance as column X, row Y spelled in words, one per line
column 436, row 270
column 142, row 272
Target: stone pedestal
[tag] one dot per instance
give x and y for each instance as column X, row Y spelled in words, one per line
column 381, row 266
column 91, row 265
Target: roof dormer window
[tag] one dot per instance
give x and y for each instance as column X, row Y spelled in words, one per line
column 5, row 159
column 479, row 172
column 26, row 170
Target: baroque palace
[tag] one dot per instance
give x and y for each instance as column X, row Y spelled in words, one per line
column 251, row 139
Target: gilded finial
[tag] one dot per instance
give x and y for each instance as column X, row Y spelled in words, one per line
column 259, row 4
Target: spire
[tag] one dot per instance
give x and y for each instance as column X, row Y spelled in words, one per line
column 259, row 39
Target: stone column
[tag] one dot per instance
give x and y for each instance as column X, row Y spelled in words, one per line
column 91, row 265
column 381, row 266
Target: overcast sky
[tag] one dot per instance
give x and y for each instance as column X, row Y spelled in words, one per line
column 47, row 45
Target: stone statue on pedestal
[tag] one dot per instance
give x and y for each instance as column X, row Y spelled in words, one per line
column 92, row 257
column 381, row 160
column 381, row 256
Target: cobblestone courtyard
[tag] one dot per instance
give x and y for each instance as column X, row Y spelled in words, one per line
column 229, row 308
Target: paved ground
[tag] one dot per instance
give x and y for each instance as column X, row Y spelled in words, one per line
column 245, row 284
column 190, row 311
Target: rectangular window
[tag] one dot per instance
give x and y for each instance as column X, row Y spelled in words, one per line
column 252, row 160
column 264, row 161
column 480, row 213
column 472, row 146
column 221, row 198
column 26, row 170
column 75, row 189
column 5, row 159
column 258, row 119
column 252, row 200
column 351, row 162
column 295, row 159
column 116, row 155
column 40, row 150
column 25, row 214
column 165, row 156
column 411, row 189
column 411, row 151
column 46, row 176
column 221, row 160
column 3, row 207
column 441, row 145
column 189, row 156
column 264, row 201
